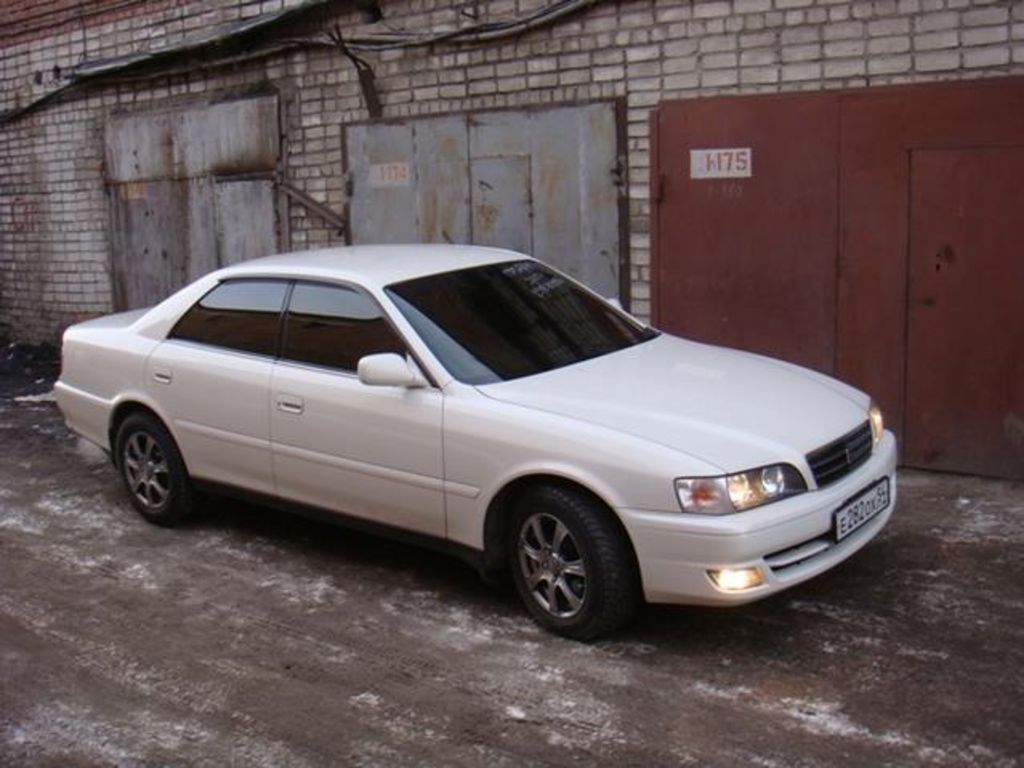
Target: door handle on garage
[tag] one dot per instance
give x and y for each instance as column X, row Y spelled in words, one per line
column 290, row 404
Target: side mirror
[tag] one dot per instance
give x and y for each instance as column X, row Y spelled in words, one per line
column 389, row 370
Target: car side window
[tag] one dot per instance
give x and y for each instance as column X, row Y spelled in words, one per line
column 240, row 314
column 334, row 326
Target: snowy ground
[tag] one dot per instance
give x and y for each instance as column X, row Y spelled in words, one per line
column 257, row 639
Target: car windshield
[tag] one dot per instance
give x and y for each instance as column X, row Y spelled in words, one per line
column 504, row 321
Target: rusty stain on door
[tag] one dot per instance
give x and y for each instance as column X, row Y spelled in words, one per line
column 542, row 181
column 191, row 190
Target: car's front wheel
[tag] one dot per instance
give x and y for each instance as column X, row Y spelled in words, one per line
column 571, row 564
column 153, row 471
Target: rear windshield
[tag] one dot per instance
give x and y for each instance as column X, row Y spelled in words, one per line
column 504, row 321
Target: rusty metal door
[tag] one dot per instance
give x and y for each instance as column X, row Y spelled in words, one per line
column 745, row 223
column 965, row 346
column 542, row 181
column 190, row 190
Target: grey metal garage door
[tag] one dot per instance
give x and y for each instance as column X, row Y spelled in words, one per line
column 542, row 181
column 191, row 190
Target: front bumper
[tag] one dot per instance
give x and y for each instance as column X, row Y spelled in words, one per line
column 789, row 541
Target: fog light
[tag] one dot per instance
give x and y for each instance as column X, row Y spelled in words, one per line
column 736, row 579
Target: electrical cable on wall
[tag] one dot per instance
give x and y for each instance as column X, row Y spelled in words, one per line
column 138, row 66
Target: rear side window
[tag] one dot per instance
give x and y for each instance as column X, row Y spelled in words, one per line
column 334, row 326
column 241, row 314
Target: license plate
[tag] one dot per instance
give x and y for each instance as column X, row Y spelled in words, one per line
column 856, row 512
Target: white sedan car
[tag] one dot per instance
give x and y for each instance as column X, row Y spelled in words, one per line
column 478, row 400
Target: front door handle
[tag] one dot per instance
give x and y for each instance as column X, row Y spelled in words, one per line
column 290, row 404
column 162, row 375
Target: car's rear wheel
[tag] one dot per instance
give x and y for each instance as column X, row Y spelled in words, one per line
column 571, row 564
column 153, row 471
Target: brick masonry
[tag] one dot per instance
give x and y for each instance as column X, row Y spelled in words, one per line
column 54, row 244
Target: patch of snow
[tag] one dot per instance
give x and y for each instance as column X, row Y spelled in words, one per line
column 515, row 713
column 366, row 699
column 42, row 397
column 140, row 574
column 989, row 521
column 826, row 718
column 822, row 718
column 81, row 512
column 298, row 590
column 90, row 452
column 464, row 630
column 717, row 692
column 922, row 654
column 550, row 675
column 18, row 520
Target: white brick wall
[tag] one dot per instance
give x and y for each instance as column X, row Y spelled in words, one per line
column 53, row 209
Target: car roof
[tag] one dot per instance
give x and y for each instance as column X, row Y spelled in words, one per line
column 372, row 264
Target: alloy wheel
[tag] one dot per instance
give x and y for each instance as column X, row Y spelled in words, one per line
column 146, row 470
column 552, row 565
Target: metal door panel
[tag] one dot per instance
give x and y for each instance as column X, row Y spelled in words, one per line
column 385, row 208
column 556, row 168
column 965, row 344
column 501, row 202
column 201, row 227
column 442, row 180
column 867, row 322
column 879, row 128
column 246, row 220
column 141, row 147
column 750, row 261
column 165, row 228
column 500, row 134
column 228, row 137
column 551, row 176
column 148, row 264
column 599, row 179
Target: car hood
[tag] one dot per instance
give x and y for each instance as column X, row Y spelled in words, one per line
column 733, row 409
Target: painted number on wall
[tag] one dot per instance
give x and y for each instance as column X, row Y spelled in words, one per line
column 731, row 163
column 390, row 175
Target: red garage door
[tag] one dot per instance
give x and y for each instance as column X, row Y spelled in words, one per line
column 804, row 226
column 747, row 250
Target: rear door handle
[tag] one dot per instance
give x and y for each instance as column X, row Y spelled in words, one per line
column 290, row 404
column 162, row 375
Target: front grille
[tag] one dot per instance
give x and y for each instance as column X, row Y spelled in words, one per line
column 834, row 461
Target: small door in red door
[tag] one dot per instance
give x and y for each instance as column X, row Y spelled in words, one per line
column 965, row 334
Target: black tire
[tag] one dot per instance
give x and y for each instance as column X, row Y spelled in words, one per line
column 153, row 471
column 588, row 569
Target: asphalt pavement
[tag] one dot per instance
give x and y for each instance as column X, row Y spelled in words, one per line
column 254, row 638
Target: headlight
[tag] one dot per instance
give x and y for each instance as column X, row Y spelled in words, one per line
column 877, row 422
column 735, row 493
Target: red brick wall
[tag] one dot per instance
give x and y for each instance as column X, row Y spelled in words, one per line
column 21, row 20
